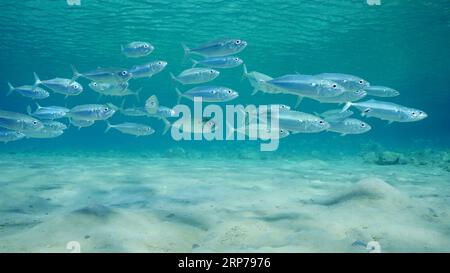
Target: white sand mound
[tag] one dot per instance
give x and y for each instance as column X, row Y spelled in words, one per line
column 368, row 188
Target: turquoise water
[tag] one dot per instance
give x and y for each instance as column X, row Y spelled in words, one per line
column 116, row 192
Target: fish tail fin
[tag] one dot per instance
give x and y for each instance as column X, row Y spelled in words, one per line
column 167, row 125
column 108, row 126
column 187, row 51
column 299, row 100
column 37, row 81
column 29, row 110
column 347, row 105
column 194, row 62
column 179, row 95
column 38, row 106
column 75, row 73
column 173, row 77
column 245, row 72
column 122, row 104
column 137, row 94
column 11, row 88
column 229, row 130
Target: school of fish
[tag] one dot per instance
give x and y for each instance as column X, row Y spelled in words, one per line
column 330, row 88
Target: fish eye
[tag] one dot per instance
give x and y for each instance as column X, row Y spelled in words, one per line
column 413, row 113
column 229, row 91
column 363, row 125
column 237, row 42
column 75, row 86
column 35, row 122
column 212, row 71
column 236, row 59
column 94, row 84
column 361, row 82
column 160, row 63
column 145, row 46
column 334, row 85
column 106, row 109
column 321, row 121
column 124, row 73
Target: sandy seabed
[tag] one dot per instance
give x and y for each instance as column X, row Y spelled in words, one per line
column 168, row 204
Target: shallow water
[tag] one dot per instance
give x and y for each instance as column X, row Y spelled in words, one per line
column 316, row 193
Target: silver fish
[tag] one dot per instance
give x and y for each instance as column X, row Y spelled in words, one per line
column 131, row 128
column 32, row 92
column 218, row 48
column 335, row 114
column 307, row 86
column 81, row 123
column 66, row 87
column 137, row 49
column 259, row 82
column 347, row 96
column 219, row 62
column 112, row 75
column 347, row 81
column 48, row 112
column 54, row 125
column 387, row 111
column 8, row 136
column 114, row 89
column 91, row 112
column 209, row 94
column 381, row 91
column 43, row 133
column 299, row 122
column 19, row 122
column 147, row 70
column 196, row 75
column 349, row 126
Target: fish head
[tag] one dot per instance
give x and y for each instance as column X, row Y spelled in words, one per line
column 359, row 126
column 159, row 66
column 355, row 83
column 96, row 86
column 32, row 125
column 124, row 75
column 357, row 94
column 327, row 88
column 106, row 111
column 147, row 130
column 237, row 61
column 143, row 48
column 282, row 133
column 75, row 88
column 211, row 74
column 317, row 125
column 152, row 104
column 227, row 94
column 209, row 126
column 236, row 45
column 415, row 115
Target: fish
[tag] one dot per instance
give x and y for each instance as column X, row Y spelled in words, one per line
column 353, row 95
column 92, row 112
column 137, row 49
column 196, row 75
column 382, row 91
column 135, row 129
column 28, row 91
column 307, row 86
column 259, row 82
column 299, row 122
column 347, row 81
column 217, row 48
column 209, row 94
column 335, row 114
column 219, row 62
column 160, row 112
column 258, row 129
column 43, row 133
column 387, row 111
column 147, row 70
column 62, row 86
column 114, row 89
column 8, row 136
column 48, row 112
column 111, row 75
column 195, row 125
column 54, row 125
column 349, row 126
column 19, row 122
column 79, row 123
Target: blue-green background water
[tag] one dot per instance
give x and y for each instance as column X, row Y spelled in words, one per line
column 402, row 44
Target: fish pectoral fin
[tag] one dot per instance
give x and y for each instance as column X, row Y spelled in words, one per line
column 299, row 100
column 254, row 91
column 343, row 134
